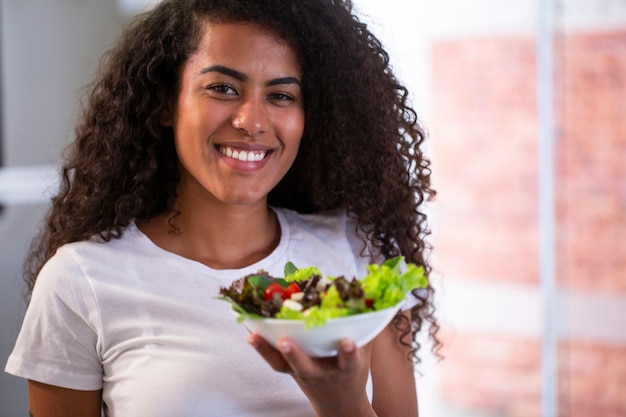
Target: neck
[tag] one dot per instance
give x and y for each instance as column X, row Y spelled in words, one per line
column 219, row 236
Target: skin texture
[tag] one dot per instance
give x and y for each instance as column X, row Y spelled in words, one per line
column 50, row 401
column 390, row 370
column 240, row 90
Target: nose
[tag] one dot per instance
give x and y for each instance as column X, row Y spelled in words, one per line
column 251, row 117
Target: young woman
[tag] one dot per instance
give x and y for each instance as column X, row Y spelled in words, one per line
column 222, row 137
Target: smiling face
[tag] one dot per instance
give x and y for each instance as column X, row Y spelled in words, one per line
column 239, row 115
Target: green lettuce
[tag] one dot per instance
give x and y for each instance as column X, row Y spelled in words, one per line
column 384, row 286
column 387, row 286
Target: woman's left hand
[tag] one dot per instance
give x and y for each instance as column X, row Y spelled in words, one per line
column 335, row 386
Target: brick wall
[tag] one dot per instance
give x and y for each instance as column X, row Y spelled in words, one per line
column 591, row 188
column 592, row 379
column 484, row 137
column 492, row 372
column 485, row 171
column 501, row 374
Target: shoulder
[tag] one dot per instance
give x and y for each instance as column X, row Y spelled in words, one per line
column 96, row 248
column 73, row 263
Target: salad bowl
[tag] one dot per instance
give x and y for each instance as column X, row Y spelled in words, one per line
column 317, row 311
column 322, row 341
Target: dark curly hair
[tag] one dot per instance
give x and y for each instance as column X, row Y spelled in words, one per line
column 360, row 151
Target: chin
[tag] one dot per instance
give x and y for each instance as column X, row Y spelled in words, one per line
column 243, row 200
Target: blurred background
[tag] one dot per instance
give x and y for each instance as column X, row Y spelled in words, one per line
column 525, row 105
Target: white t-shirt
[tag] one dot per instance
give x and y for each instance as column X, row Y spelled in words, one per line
column 144, row 325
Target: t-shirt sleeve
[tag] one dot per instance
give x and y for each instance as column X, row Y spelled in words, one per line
column 58, row 343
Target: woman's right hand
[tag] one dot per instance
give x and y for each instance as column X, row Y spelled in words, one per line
column 335, row 386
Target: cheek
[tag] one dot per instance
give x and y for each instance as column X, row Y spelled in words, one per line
column 294, row 128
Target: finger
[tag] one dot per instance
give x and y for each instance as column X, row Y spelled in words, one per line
column 272, row 356
column 299, row 361
column 348, row 355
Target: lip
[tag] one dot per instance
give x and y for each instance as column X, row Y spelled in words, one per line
column 248, row 165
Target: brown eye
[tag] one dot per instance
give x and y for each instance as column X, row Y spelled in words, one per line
column 282, row 99
column 222, row 89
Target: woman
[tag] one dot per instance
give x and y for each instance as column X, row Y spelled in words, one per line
column 222, row 137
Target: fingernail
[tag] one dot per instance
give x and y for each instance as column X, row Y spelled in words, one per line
column 284, row 347
column 348, row 346
column 253, row 341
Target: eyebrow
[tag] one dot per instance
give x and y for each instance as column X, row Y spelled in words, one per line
column 243, row 77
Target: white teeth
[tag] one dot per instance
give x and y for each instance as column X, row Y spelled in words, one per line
column 245, row 156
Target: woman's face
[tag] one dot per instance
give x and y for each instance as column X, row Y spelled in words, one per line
column 239, row 116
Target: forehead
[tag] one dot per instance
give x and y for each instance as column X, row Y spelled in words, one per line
column 243, row 46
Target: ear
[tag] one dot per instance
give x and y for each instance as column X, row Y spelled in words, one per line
column 167, row 115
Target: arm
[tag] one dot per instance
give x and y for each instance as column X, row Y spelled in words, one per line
column 393, row 376
column 52, row 401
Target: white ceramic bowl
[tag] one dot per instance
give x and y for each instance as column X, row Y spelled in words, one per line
column 323, row 340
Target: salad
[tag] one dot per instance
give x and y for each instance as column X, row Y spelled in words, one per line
column 306, row 294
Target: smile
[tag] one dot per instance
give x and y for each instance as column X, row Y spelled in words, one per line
column 241, row 155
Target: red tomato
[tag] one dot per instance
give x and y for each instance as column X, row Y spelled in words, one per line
column 291, row 290
column 369, row 303
column 274, row 288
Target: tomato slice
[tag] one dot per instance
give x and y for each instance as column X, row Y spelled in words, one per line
column 291, row 290
column 274, row 288
column 284, row 293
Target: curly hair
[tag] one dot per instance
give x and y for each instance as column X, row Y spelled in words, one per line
column 360, row 151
